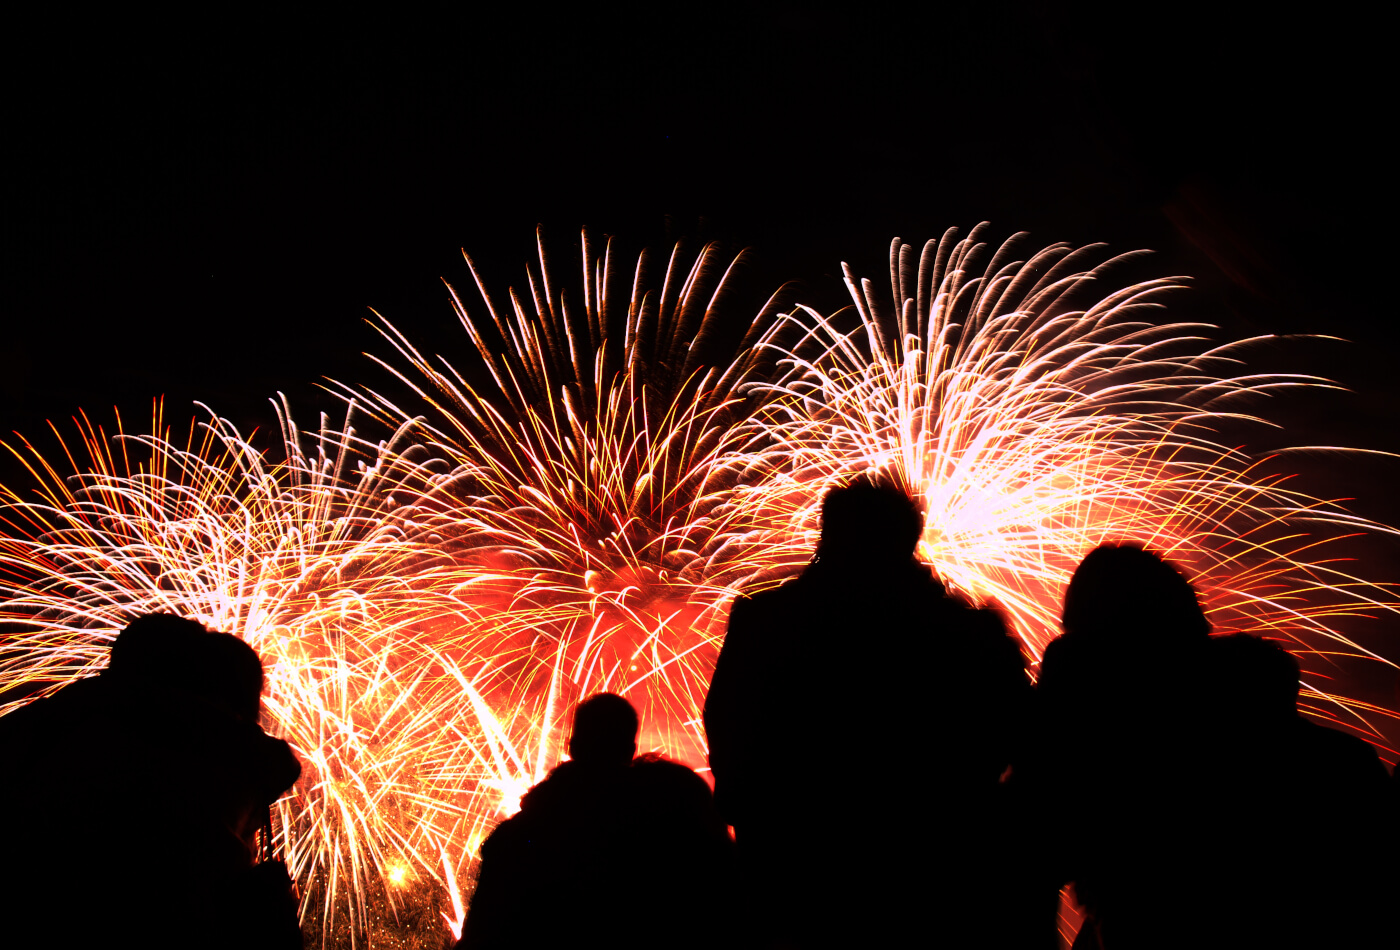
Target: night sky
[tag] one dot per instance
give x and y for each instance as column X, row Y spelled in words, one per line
column 204, row 205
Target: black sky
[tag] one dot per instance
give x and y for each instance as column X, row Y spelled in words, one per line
column 203, row 205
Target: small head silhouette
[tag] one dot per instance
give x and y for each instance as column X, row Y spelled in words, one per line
column 869, row 520
column 1121, row 587
column 605, row 731
column 1257, row 679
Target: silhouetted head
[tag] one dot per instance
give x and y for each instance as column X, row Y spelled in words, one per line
column 158, row 648
column 869, row 521
column 1122, row 590
column 164, row 652
column 605, row 731
column 1255, row 678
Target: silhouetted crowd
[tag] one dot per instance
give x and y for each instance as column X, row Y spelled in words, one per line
column 884, row 775
column 892, row 779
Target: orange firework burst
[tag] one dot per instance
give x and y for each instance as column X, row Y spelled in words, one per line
column 596, row 506
column 1036, row 424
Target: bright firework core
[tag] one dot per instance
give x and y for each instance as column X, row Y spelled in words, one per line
column 430, row 602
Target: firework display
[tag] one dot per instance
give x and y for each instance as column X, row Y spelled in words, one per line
column 600, row 498
column 1037, row 420
column 572, row 507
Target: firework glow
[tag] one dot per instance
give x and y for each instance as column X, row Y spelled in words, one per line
column 1038, row 419
column 572, row 507
column 600, row 500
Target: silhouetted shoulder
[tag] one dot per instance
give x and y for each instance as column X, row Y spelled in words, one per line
column 757, row 623
column 976, row 640
column 1341, row 757
column 32, row 727
column 677, row 779
column 681, row 858
column 669, row 799
column 562, row 782
column 774, row 600
column 753, row 617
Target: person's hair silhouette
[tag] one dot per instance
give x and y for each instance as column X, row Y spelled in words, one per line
column 1119, row 586
column 157, row 648
column 168, row 652
column 869, row 521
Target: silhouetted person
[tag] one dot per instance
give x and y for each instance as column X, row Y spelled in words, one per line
column 133, row 799
column 605, row 850
column 858, row 721
column 1117, row 771
column 681, row 857
column 1299, row 830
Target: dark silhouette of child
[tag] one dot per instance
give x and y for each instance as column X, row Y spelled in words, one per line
column 606, row 850
column 134, row 799
column 859, row 720
column 1299, row 831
